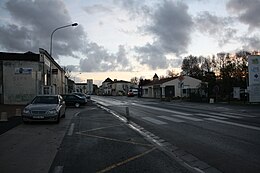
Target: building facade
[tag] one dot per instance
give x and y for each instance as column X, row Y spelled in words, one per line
column 174, row 87
column 25, row 75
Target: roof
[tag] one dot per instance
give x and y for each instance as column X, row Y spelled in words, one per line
column 28, row 56
column 120, row 81
column 161, row 81
column 108, row 80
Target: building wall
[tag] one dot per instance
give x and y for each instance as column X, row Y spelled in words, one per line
column 89, row 86
column 81, row 87
column 20, row 87
column 158, row 91
column 187, row 83
column 120, row 88
column 1, row 83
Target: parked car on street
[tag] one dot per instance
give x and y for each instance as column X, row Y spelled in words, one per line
column 44, row 108
column 83, row 95
column 132, row 92
column 74, row 100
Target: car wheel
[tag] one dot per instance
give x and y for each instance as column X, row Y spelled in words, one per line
column 77, row 105
column 63, row 116
column 58, row 119
column 25, row 122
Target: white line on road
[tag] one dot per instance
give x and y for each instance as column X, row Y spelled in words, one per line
column 242, row 115
column 224, row 115
column 235, row 124
column 155, row 121
column 172, row 119
column 211, row 116
column 58, row 169
column 71, row 129
column 175, row 113
column 187, row 118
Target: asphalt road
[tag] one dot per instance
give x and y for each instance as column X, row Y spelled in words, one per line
column 99, row 142
column 88, row 139
column 221, row 136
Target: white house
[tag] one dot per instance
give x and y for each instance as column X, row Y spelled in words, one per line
column 120, row 87
column 106, row 87
column 180, row 86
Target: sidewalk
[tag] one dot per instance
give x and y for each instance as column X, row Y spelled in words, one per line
column 12, row 119
column 11, row 110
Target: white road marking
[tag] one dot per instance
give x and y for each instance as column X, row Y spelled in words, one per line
column 71, row 129
column 179, row 114
column 187, row 118
column 172, row 119
column 235, row 124
column 161, row 109
column 153, row 120
column 224, row 115
column 58, row 169
column 238, row 114
column 76, row 114
column 211, row 116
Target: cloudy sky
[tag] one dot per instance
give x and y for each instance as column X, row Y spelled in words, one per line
column 126, row 38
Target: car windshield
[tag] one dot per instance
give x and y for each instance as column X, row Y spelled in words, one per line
column 45, row 100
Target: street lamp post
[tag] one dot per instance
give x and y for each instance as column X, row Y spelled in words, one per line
column 74, row 24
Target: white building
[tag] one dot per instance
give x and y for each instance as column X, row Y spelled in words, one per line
column 25, row 75
column 89, row 86
column 171, row 87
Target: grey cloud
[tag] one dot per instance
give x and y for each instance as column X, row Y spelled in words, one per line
column 97, row 8
column 135, row 8
column 34, row 22
column 15, row 38
column 152, row 55
column 247, row 11
column 217, row 27
column 171, row 26
column 251, row 42
column 98, row 59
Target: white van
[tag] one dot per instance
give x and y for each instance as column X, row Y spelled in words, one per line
column 132, row 92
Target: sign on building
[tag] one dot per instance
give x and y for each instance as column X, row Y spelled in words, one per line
column 22, row 70
column 254, row 78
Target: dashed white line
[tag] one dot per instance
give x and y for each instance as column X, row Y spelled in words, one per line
column 211, row 116
column 224, row 115
column 187, row 118
column 71, row 129
column 153, row 120
column 58, row 169
column 172, row 119
column 234, row 124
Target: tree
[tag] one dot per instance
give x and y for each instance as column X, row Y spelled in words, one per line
column 172, row 73
column 134, row 80
column 67, row 72
column 191, row 67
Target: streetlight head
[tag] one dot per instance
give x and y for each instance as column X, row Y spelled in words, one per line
column 74, row 24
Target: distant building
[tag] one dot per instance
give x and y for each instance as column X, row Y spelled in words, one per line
column 119, row 87
column 106, row 87
column 81, row 87
column 25, row 75
column 89, row 86
column 180, row 86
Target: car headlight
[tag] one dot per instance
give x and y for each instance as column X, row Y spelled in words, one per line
column 26, row 111
column 53, row 111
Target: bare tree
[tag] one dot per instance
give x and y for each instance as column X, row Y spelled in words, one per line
column 67, row 72
column 172, row 73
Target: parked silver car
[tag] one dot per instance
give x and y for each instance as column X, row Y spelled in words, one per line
column 44, row 108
